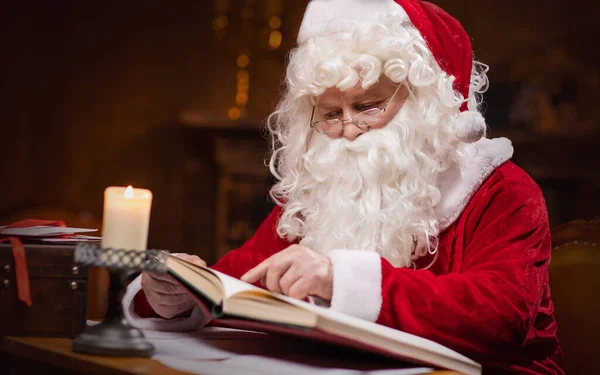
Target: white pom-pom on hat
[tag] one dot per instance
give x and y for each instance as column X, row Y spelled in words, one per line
column 469, row 126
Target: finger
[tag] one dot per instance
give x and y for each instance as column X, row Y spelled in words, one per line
column 167, row 288
column 164, row 299
column 191, row 258
column 150, row 283
column 289, row 278
column 300, row 289
column 260, row 271
column 150, row 291
column 169, row 312
column 277, row 270
column 274, row 273
column 161, row 276
column 168, row 305
column 257, row 272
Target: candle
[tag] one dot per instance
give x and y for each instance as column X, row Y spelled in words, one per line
column 126, row 218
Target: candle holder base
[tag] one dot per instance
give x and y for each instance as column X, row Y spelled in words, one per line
column 114, row 339
column 115, row 336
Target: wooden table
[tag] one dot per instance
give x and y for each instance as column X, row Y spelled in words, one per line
column 31, row 355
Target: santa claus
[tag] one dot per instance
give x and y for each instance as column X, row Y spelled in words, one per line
column 391, row 205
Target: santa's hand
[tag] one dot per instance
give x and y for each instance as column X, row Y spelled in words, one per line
column 297, row 272
column 165, row 295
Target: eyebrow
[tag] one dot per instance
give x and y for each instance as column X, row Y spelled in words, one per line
column 371, row 91
column 367, row 94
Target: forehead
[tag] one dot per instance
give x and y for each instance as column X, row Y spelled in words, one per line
column 380, row 89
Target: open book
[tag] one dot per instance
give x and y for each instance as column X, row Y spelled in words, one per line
column 237, row 304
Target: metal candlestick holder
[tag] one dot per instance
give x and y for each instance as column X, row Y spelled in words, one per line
column 115, row 336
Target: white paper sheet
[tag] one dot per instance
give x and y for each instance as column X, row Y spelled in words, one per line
column 197, row 352
column 258, row 365
column 43, row 230
column 74, row 239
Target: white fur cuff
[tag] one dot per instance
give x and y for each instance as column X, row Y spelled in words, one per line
column 356, row 283
column 194, row 321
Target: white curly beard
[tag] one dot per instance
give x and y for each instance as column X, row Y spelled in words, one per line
column 375, row 193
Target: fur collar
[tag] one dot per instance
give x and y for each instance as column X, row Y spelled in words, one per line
column 459, row 183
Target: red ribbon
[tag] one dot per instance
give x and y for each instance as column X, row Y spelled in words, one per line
column 18, row 251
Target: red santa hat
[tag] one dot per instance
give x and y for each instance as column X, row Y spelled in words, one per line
column 445, row 37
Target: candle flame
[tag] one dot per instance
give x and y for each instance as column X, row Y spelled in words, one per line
column 129, row 192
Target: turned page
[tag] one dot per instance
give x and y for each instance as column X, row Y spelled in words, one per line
column 229, row 285
column 233, row 286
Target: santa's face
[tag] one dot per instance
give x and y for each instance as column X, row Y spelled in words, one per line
column 375, row 192
column 355, row 111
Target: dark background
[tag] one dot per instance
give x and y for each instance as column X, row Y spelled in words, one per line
column 96, row 94
column 157, row 94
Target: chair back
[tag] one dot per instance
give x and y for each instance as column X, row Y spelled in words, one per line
column 575, row 288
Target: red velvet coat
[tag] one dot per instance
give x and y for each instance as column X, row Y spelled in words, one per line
column 486, row 296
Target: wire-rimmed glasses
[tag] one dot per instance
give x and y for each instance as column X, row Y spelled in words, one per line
column 364, row 119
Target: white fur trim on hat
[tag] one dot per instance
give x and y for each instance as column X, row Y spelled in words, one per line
column 469, row 126
column 325, row 17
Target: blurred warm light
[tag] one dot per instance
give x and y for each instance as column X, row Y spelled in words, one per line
column 241, row 99
column 234, row 113
column 275, row 39
column 274, row 22
column 219, row 23
column 129, row 192
column 243, row 85
column 243, row 61
column 243, row 74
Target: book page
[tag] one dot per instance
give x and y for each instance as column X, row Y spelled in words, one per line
column 380, row 330
column 233, row 286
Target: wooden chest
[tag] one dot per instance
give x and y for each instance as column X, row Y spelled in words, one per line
column 58, row 293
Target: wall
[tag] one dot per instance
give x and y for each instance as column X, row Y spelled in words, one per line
column 133, row 93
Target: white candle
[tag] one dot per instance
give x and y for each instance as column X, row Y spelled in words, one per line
column 126, row 218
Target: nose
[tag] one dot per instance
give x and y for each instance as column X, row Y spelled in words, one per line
column 351, row 131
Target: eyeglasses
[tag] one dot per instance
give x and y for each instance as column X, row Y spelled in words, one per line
column 363, row 119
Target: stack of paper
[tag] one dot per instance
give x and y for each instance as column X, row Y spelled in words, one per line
column 51, row 234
